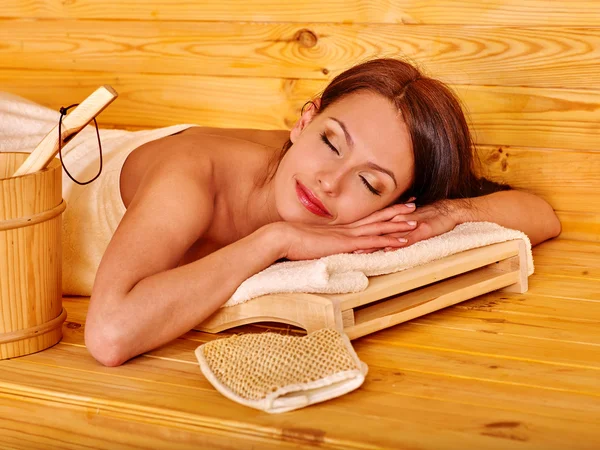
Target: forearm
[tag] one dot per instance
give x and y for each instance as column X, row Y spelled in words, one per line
column 512, row 209
column 163, row 306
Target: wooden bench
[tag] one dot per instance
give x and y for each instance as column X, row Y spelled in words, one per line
column 504, row 370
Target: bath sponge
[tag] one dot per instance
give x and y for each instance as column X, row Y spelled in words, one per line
column 278, row 373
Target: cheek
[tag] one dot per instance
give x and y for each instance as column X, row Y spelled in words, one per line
column 355, row 207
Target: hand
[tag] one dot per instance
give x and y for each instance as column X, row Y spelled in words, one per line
column 303, row 241
column 431, row 220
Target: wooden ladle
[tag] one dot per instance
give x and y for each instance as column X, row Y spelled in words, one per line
column 72, row 124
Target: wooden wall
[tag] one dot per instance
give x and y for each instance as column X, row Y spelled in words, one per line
column 528, row 71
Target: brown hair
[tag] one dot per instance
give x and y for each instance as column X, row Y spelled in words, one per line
column 442, row 144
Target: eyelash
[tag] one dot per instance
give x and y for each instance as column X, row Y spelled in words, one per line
column 369, row 187
column 335, row 150
column 326, row 141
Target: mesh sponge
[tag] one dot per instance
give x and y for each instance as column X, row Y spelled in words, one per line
column 278, row 373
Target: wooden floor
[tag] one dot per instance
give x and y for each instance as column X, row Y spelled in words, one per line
column 501, row 371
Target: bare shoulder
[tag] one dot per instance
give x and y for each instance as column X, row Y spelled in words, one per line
column 183, row 153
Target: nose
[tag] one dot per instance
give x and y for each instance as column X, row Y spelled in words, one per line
column 329, row 181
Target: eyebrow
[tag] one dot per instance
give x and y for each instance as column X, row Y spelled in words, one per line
column 370, row 164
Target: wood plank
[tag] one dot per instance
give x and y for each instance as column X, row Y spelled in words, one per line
column 527, row 327
column 569, row 259
column 579, row 226
column 553, row 307
column 332, row 425
column 182, row 370
column 488, row 342
column 564, row 288
column 417, row 397
column 446, row 379
column 539, row 56
column 516, row 116
column 542, row 338
column 66, row 426
column 541, row 172
column 472, row 12
column 471, row 385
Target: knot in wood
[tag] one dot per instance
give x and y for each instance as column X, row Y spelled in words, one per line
column 306, row 38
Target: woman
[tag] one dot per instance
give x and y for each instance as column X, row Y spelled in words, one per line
column 221, row 205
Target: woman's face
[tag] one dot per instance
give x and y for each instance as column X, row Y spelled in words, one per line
column 345, row 163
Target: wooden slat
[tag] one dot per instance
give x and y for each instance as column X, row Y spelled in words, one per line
column 539, row 57
column 548, row 307
column 416, row 393
column 528, row 327
column 334, row 424
column 469, row 384
column 62, row 426
column 527, row 117
column 580, row 225
column 568, row 180
column 477, row 375
column 472, row 12
column 569, row 260
column 504, row 370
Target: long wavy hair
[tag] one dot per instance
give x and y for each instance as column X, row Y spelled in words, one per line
column 444, row 154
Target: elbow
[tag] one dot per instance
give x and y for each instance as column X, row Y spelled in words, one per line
column 104, row 340
column 550, row 228
column 104, row 347
column 557, row 227
column 554, row 225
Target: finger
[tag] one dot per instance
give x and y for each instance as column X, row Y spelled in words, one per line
column 400, row 235
column 369, row 243
column 369, row 250
column 385, row 214
column 422, row 232
column 382, row 228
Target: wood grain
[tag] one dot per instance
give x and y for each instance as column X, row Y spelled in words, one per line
column 30, row 258
column 516, row 116
column 472, row 12
column 568, row 180
column 579, row 226
column 538, row 57
column 504, row 368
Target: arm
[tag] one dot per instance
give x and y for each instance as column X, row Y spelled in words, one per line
column 141, row 299
column 512, row 209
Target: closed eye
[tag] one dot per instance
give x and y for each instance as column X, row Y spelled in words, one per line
column 329, row 144
column 369, row 187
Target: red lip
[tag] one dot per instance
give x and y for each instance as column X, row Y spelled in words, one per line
column 310, row 201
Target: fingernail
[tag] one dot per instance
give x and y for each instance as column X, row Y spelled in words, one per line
column 403, row 240
column 412, row 223
column 410, row 205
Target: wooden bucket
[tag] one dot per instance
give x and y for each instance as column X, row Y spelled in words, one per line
column 31, row 312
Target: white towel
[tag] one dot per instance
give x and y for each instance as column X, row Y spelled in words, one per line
column 348, row 272
column 94, row 210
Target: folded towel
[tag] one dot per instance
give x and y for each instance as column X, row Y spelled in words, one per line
column 348, row 272
column 277, row 373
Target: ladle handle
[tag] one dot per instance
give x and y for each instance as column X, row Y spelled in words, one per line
column 72, row 124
